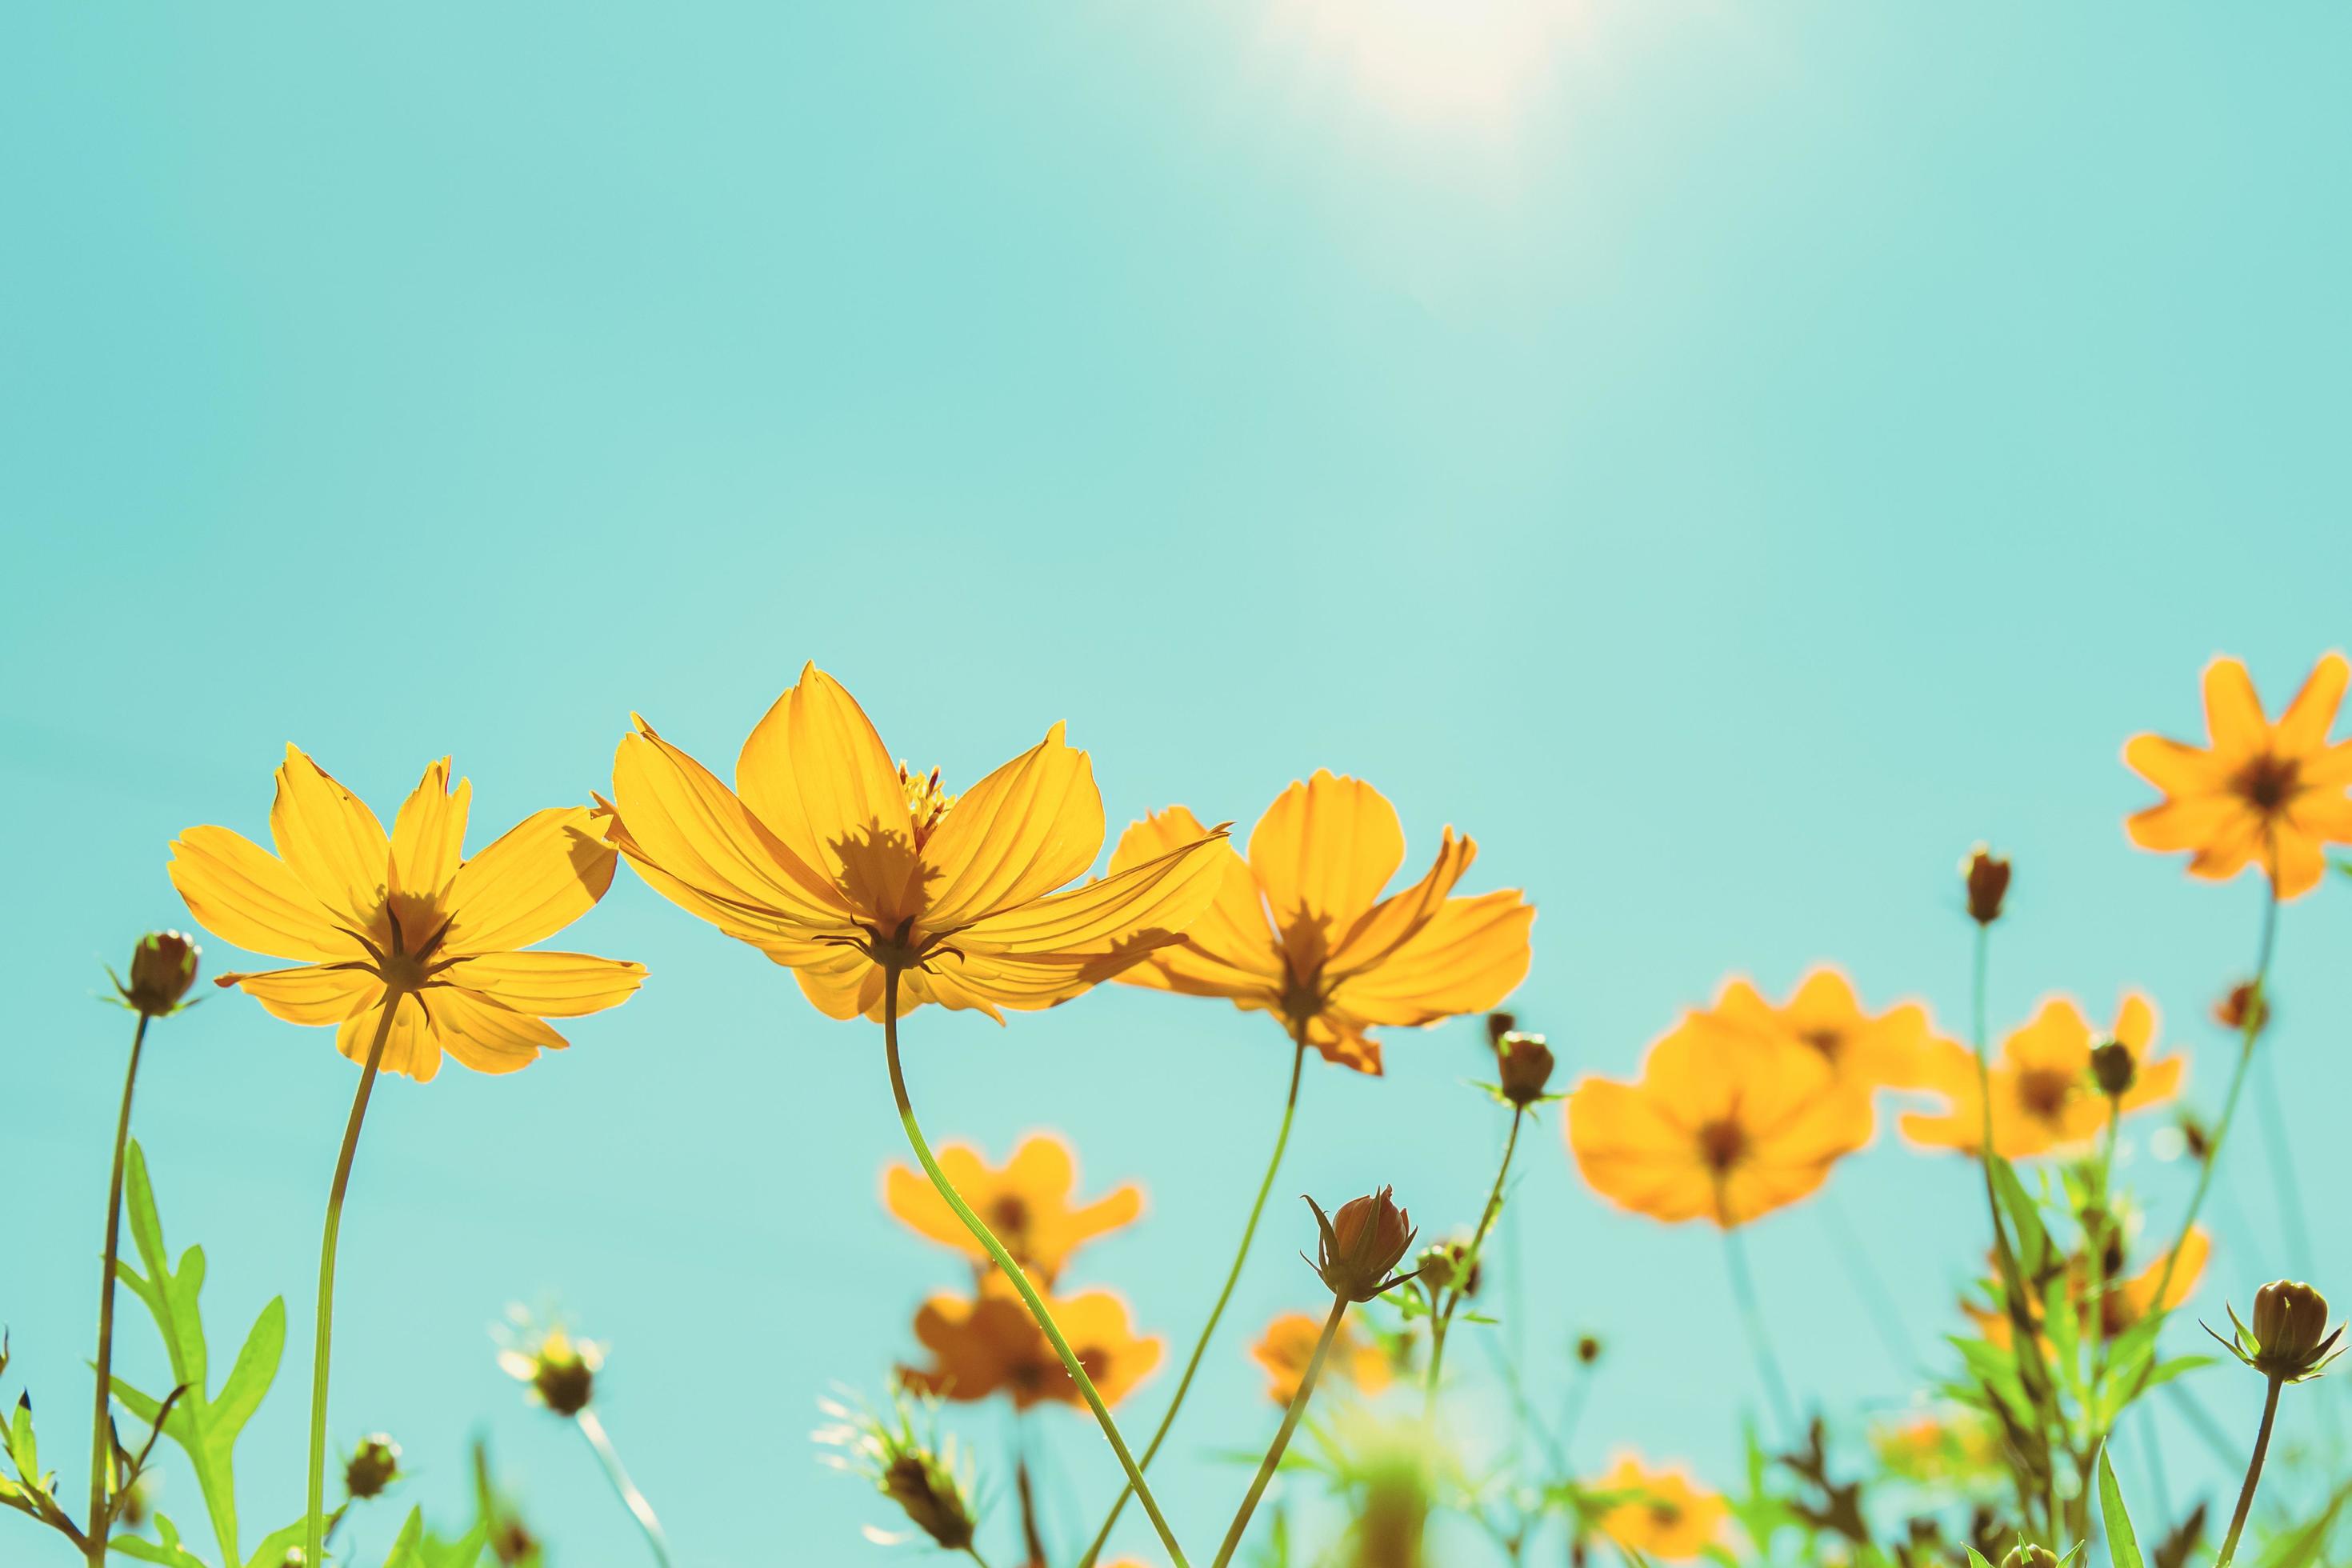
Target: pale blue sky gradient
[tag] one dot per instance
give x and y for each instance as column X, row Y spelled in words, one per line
column 1763, row 451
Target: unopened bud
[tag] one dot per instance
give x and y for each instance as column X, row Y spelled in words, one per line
column 1987, row 878
column 931, row 1499
column 163, row 968
column 1525, row 1064
column 2115, row 1068
column 2231, row 1012
column 1498, row 1025
column 2024, row 1556
column 2290, row 1339
column 374, row 1466
column 1588, row 1348
column 1448, row 1265
column 1361, row 1243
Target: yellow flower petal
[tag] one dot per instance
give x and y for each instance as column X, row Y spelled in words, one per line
column 2303, row 727
column 311, row 995
column 2233, row 713
column 1160, row 898
column 428, row 837
column 1024, row 831
column 1466, row 959
column 818, row 777
column 549, row 985
column 1322, row 853
column 410, row 1050
column 675, row 817
column 485, row 1036
column 242, row 893
column 330, row 839
column 1230, row 950
column 542, row 874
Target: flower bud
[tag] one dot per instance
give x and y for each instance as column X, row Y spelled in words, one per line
column 1526, row 1064
column 1987, row 877
column 561, row 1371
column 2290, row 1339
column 2231, row 1011
column 511, row 1542
column 2024, row 1556
column 1361, row 1242
column 2115, row 1068
column 1448, row 1265
column 930, row 1498
column 374, row 1466
column 1588, row 1348
column 163, row 968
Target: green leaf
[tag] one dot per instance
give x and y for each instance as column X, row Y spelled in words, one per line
column 2302, row 1548
column 24, row 1452
column 272, row 1552
column 205, row 1426
column 165, row 1549
column 1977, row 1558
column 2123, row 1545
column 2024, row 1218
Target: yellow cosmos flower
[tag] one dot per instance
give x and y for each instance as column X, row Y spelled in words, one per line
column 1717, row 1128
column 2044, row 1098
column 837, row 862
column 1662, row 1513
column 2264, row 794
column 988, row 1344
column 1030, row 1202
column 1865, row 1051
column 406, row 925
column 1299, row 930
column 1288, row 1345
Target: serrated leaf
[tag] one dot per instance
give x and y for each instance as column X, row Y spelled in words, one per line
column 2123, row 1544
column 165, row 1549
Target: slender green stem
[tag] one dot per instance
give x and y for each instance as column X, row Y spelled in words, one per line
column 973, row 1553
column 1751, row 1315
column 1282, row 1438
column 316, row 1551
column 1012, row 1270
column 1441, row 1315
column 2253, row 1475
column 1885, row 1320
column 102, row 1430
column 626, row 1490
column 1224, row 1295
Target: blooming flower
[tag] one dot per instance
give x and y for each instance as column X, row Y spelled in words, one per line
column 1661, row 1512
column 838, row 863
column 1299, row 928
column 559, row 1371
column 1865, row 1051
column 2264, row 794
column 1288, row 1344
column 2044, row 1096
column 1719, row 1127
column 406, row 925
column 1029, row 1202
column 988, row 1344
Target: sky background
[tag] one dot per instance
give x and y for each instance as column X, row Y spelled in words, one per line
column 1726, row 458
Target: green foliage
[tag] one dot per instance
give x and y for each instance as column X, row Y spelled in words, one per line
column 2123, row 1545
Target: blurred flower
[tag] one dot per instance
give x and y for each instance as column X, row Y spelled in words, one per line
column 1361, row 1244
column 908, row 1462
column 374, row 1466
column 835, row 861
column 1718, row 1127
column 1447, row 1264
column 561, row 1371
column 1029, row 1202
column 1932, row 1448
column 1863, row 1050
column 1288, row 1344
column 405, row 923
column 2230, row 1012
column 1660, row 1512
column 2044, row 1096
column 1986, row 877
column 1299, row 928
column 2290, row 1339
column 987, row 1343
column 1588, row 1348
column 2114, row 1069
column 163, row 968
column 2271, row 794
column 2126, row 1301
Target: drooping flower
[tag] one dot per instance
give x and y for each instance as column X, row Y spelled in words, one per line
column 1865, row 1051
column 1299, row 928
column 1288, row 1344
column 1661, row 1512
column 987, row 1343
column 2044, row 1097
column 1718, row 1127
column 405, row 923
column 839, row 863
column 1030, row 1202
column 2261, row 793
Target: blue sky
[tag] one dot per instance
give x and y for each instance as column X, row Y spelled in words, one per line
column 1726, row 460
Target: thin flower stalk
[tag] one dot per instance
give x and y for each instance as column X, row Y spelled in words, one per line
column 1290, row 1418
column 1759, row 1344
column 1012, row 1270
column 2254, row 1473
column 1442, row 1313
column 1224, row 1294
column 623, row 1487
column 101, row 1428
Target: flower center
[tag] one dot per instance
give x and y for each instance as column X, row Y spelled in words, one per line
column 927, row 801
column 1721, row 1145
column 2268, row 782
column 1665, row 1515
column 1009, row 1216
column 1824, row 1041
column 2043, row 1092
column 405, row 933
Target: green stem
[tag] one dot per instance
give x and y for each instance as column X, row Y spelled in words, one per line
column 102, row 1431
column 316, row 1518
column 1442, row 1316
column 1282, row 1438
column 2253, row 1475
column 1885, row 1320
column 626, row 1490
column 1012, row 1270
column 1233, row 1277
column 1768, row 1365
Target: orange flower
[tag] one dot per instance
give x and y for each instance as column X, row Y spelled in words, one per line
column 2125, row 1302
column 1288, row 1344
column 2043, row 1094
column 988, row 1344
column 836, row 862
column 1663, row 1514
column 1029, row 1202
column 1865, row 1051
column 1720, row 1126
column 406, row 922
column 1299, row 928
column 2271, row 794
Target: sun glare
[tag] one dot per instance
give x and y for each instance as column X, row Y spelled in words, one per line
column 1474, row 61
